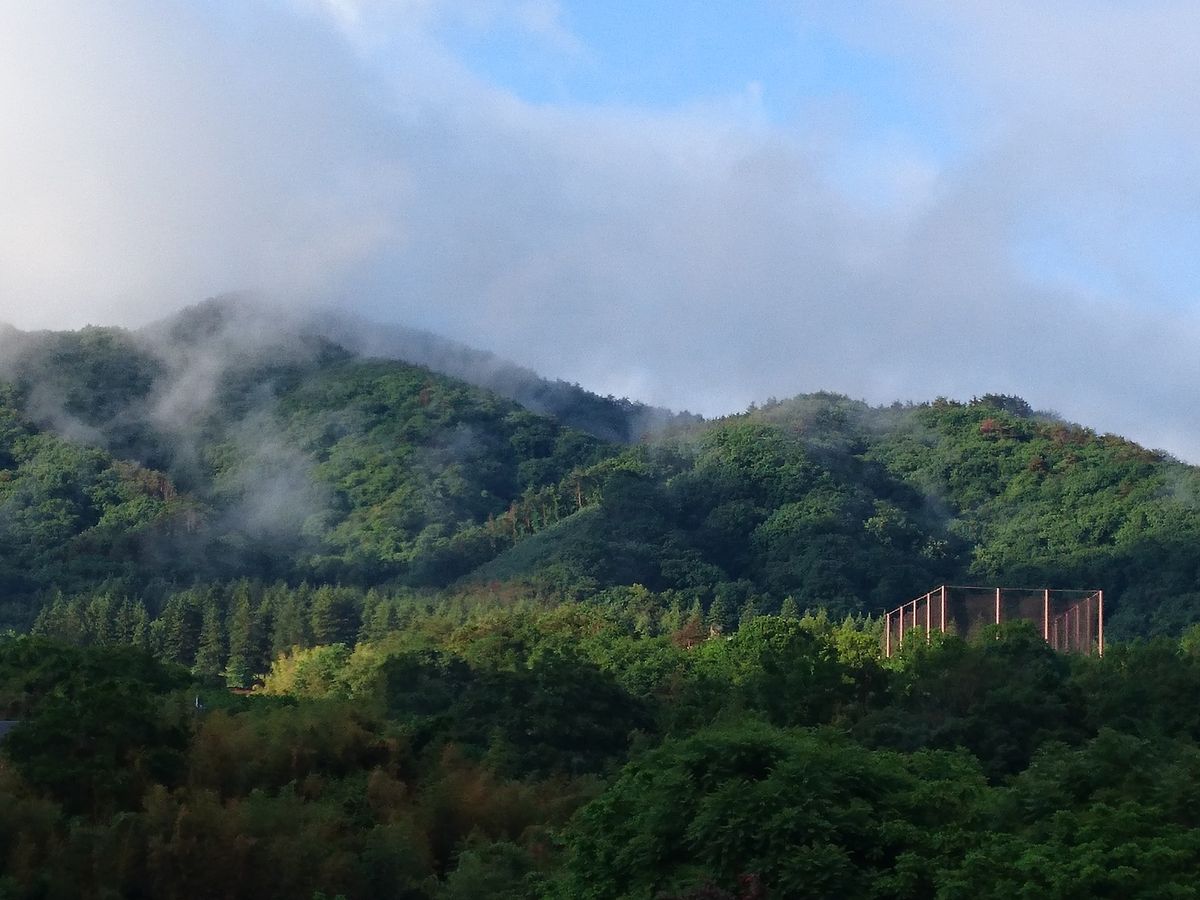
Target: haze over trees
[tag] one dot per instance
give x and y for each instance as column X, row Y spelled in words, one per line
column 214, row 447
column 531, row 642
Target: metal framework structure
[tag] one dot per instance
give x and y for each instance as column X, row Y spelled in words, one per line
column 1071, row 621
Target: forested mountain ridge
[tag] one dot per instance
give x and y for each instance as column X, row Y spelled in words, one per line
column 280, row 455
column 477, row 651
column 295, row 459
column 850, row 508
column 73, row 516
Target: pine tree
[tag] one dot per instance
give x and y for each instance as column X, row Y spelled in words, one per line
column 721, row 615
column 63, row 619
column 334, row 616
column 790, row 609
column 672, row 618
column 402, row 612
column 176, row 632
column 243, row 643
column 100, row 619
column 73, row 625
column 378, row 617
column 371, row 604
column 748, row 613
column 210, row 654
column 289, row 608
column 133, row 623
column 263, row 628
column 50, row 620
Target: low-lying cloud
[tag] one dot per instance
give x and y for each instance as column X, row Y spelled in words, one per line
column 339, row 153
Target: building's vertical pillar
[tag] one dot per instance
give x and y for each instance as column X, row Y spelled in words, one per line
column 887, row 635
column 997, row 606
column 1087, row 625
column 1100, row 621
column 1046, row 615
column 943, row 609
column 928, row 616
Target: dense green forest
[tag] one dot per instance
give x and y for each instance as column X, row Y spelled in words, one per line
column 285, row 619
column 137, row 465
column 573, row 751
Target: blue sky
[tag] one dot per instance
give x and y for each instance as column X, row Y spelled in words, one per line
column 670, row 54
column 673, row 53
column 695, row 204
column 788, row 63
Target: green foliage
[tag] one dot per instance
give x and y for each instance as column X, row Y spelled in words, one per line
column 778, row 667
column 410, row 457
column 312, row 465
column 246, row 638
column 811, row 814
column 1001, row 697
column 528, row 707
column 71, row 516
column 98, row 728
column 583, row 751
column 480, row 652
column 1116, row 817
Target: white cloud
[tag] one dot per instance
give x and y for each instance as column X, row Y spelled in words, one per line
column 158, row 153
column 151, row 159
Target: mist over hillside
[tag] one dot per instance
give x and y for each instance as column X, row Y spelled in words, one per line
column 328, row 450
column 199, row 346
column 403, row 569
column 454, row 625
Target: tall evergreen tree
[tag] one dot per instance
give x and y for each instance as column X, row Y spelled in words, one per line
column 243, row 642
column 672, row 618
column 132, row 622
column 748, row 613
column 175, row 634
column 378, row 616
column 334, row 616
column 100, row 617
column 210, row 654
column 721, row 615
column 289, row 609
column 790, row 608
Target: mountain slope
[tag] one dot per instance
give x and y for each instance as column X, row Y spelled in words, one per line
column 295, row 458
column 840, row 505
column 73, row 517
column 298, row 458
